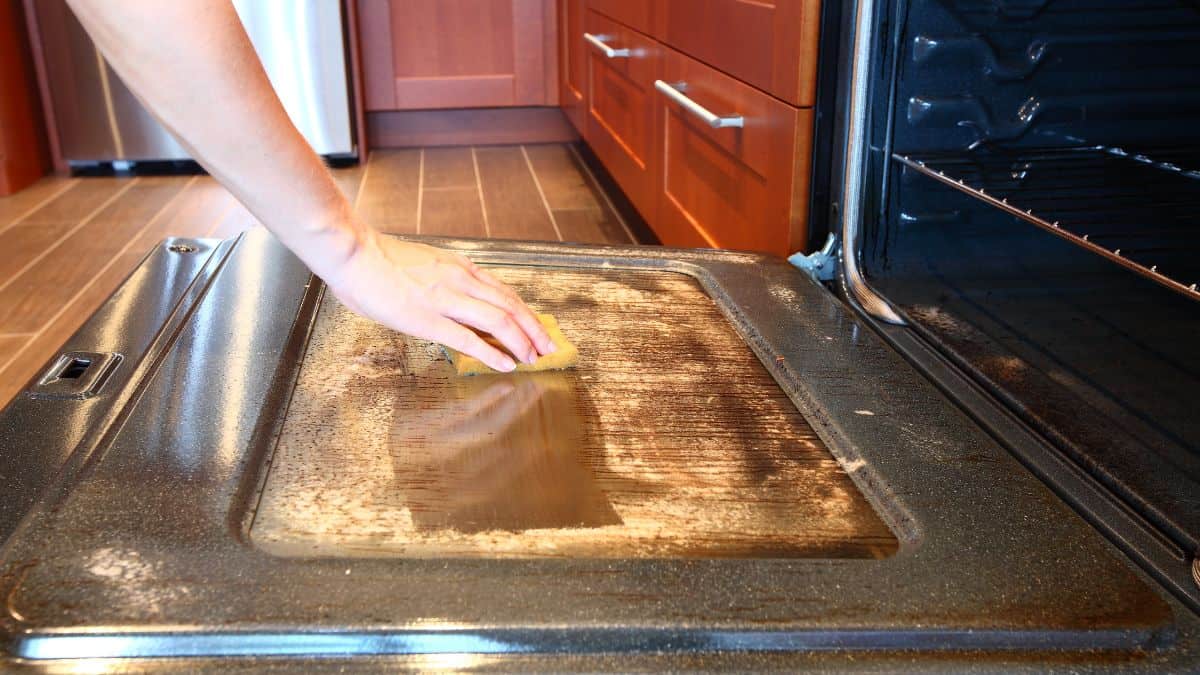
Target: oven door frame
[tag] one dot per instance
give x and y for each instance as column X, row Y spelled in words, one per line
column 867, row 76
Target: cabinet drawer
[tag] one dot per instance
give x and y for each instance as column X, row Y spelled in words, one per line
column 621, row 96
column 769, row 44
column 742, row 188
column 637, row 14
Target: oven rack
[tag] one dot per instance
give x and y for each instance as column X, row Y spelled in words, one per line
column 1138, row 210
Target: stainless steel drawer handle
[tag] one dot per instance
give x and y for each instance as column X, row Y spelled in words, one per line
column 675, row 93
column 597, row 41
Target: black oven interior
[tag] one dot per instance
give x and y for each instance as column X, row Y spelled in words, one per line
column 1035, row 212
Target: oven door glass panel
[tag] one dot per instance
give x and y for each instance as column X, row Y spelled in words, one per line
column 670, row 439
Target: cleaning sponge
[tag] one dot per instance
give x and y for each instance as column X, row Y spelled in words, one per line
column 565, row 356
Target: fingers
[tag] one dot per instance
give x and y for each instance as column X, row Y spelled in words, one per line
column 491, row 281
column 492, row 319
column 519, row 311
column 491, row 290
column 449, row 290
column 458, row 337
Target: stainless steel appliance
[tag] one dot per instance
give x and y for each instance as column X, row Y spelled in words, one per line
column 753, row 467
column 97, row 119
column 740, row 470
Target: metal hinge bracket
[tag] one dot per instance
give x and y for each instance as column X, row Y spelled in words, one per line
column 820, row 265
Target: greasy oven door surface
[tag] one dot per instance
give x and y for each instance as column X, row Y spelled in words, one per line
column 739, row 474
column 668, row 440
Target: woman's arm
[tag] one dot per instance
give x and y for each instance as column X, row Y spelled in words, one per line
column 192, row 65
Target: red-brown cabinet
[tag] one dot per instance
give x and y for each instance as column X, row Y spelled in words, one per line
column 637, row 14
column 741, row 187
column 22, row 146
column 572, row 62
column 768, row 44
column 622, row 65
column 661, row 75
column 433, row 54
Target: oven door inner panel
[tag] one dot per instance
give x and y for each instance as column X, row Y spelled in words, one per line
column 669, row 439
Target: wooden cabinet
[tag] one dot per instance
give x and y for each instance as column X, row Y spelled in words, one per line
column 22, row 149
column 430, row 54
column 741, row 188
column 637, row 14
column 662, row 71
column 771, row 45
column 572, row 63
column 620, row 121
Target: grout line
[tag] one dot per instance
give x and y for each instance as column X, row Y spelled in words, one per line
column 487, row 228
column 420, row 188
column 448, row 188
column 545, row 202
column 67, row 185
column 362, row 183
column 84, row 221
column 587, row 171
column 78, row 294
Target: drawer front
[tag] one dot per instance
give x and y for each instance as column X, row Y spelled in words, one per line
column 637, row 14
column 620, row 98
column 769, row 44
column 742, row 188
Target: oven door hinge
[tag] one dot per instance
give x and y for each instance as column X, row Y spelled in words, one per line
column 820, row 265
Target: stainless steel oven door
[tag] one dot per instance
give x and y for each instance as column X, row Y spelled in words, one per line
column 226, row 496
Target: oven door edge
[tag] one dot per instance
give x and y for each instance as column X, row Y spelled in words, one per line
column 44, row 435
column 864, row 76
column 1156, row 554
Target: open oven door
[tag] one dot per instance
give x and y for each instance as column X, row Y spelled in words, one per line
column 1041, row 268
column 227, row 469
column 740, row 473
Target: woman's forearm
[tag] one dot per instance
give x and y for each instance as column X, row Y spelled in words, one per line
column 192, row 65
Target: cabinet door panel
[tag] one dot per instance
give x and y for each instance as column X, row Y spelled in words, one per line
column 572, row 62
column 621, row 108
column 421, row 54
column 771, row 44
column 742, row 188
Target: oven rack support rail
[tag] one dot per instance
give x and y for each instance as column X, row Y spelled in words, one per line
column 924, row 167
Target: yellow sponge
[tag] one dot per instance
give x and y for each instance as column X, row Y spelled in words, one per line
column 565, row 356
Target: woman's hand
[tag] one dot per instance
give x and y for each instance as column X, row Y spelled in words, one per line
column 191, row 64
column 434, row 294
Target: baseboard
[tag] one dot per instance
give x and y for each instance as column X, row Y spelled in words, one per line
column 474, row 126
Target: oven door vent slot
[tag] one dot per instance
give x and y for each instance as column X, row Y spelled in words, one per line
column 75, row 375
